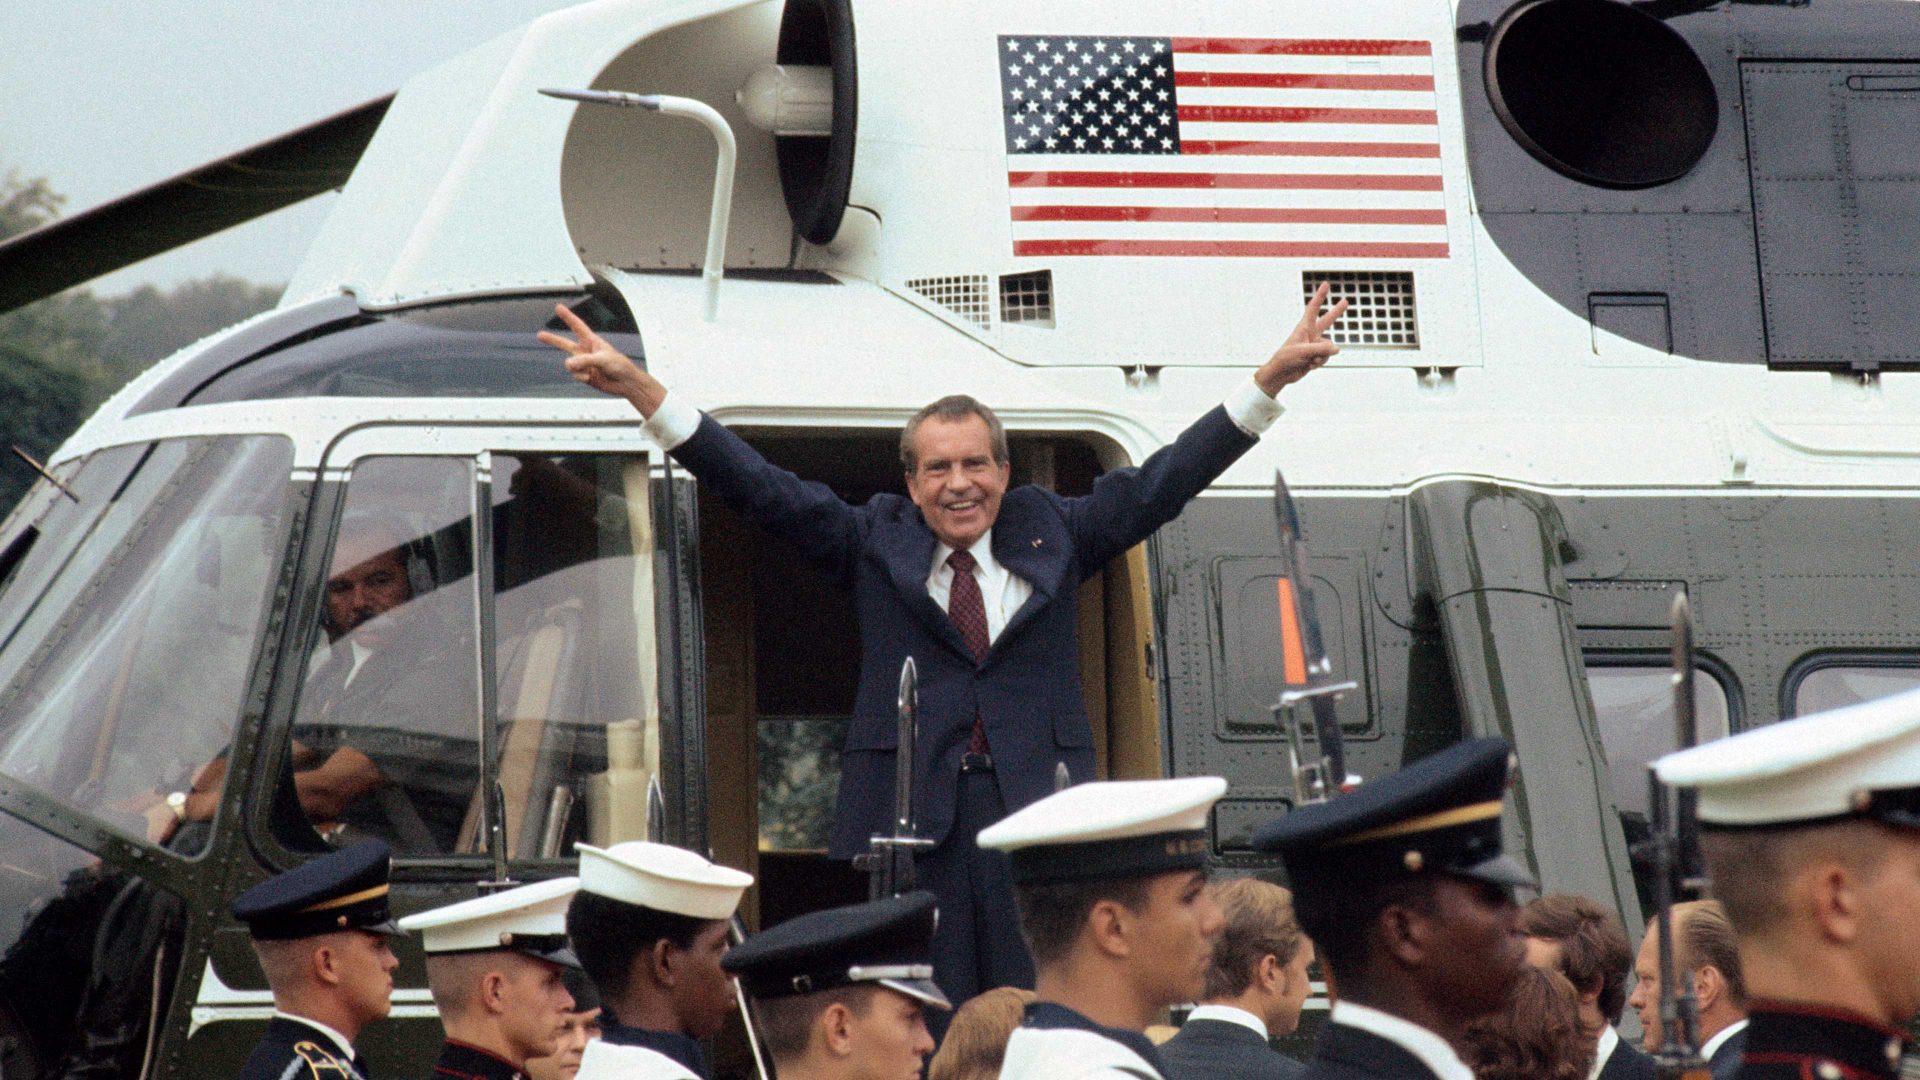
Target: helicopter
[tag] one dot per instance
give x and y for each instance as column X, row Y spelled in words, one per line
column 1631, row 316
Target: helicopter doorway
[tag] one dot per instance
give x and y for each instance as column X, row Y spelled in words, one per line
column 782, row 660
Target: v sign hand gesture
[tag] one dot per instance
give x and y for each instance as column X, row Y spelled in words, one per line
column 594, row 362
column 1305, row 349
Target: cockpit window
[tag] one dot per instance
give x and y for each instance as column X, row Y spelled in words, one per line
column 127, row 671
column 387, row 735
column 48, row 524
column 385, row 740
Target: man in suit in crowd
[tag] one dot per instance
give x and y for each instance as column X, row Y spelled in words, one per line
column 1406, row 894
column 321, row 931
column 1811, row 832
column 1578, row 938
column 1708, row 949
column 1256, row 985
column 976, row 583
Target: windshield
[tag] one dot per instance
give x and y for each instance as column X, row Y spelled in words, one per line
column 126, row 672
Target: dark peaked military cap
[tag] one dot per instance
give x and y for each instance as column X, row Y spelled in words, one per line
column 342, row 890
column 1440, row 814
column 888, row 942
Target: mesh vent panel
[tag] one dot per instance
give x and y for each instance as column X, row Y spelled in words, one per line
column 1027, row 298
column 965, row 295
column 1380, row 309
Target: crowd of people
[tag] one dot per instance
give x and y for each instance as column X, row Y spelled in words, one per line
column 1400, row 894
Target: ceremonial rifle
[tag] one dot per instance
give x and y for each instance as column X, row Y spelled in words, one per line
column 1674, row 852
column 1306, row 672
column 889, row 859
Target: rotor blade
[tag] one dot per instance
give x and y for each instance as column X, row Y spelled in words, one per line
column 218, row 195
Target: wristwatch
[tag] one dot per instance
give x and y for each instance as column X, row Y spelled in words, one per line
column 177, row 802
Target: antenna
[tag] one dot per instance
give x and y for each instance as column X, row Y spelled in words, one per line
column 707, row 115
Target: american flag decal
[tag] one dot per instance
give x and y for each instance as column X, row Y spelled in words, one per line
column 1262, row 147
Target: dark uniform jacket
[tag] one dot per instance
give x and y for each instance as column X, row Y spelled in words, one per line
column 1726, row 1057
column 1803, row 1042
column 1210, row 1048
column 1345, row 1052
column 291, row 1050
column 1628, row 1062
column 461, row 1061
column 1027, row 692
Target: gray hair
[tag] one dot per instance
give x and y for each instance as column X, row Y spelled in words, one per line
column 950, row 408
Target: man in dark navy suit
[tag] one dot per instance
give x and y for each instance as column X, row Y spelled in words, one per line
column 1403, row 887
column 1256, row 985
column 1708, row 948
column 978, row 584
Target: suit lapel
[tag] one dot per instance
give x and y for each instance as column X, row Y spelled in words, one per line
column 909, row 556
column 1023, row 551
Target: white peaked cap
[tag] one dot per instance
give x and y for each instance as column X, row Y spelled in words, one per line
column 1825, row 765
column 1109, row 829
column 493, row 921
column 661, row 877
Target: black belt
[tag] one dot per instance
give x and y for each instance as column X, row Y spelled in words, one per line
column 972, row 762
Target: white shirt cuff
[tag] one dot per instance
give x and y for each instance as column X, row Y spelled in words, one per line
column 1250, row 409
column 675, row 421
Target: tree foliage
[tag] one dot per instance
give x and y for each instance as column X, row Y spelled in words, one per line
column 63, row 356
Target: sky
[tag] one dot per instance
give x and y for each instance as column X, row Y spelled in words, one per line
column 103, row 97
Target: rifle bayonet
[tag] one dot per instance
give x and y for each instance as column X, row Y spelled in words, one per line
column 1306, row 671
column 1673, row 849
column 889, row 859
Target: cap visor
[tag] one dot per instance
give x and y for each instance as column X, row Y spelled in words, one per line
column 564, row 957
column 921, row 990
column 385, row 929
column 1500, row 870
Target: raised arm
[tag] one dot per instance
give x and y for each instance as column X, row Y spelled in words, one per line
column 1127, row 505
column 594, row 362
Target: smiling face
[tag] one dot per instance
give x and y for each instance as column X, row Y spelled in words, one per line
column 956, row 481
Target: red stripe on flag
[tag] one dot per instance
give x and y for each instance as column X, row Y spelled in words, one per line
column 1244, row 215
column 1262, row 249
column 1310, row 149
column 1247, row 114
column 1302, row 46
column 1273, row 181
column 1286, row 80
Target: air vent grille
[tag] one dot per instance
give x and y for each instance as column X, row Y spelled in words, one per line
column 965, row 295
column 1380, row 308
column 1027, row 298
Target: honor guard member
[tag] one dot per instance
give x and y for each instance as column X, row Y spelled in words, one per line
column 1111, row 882
column 1404, row 889
column 495, row 965
column 650, row 925
column 321, row 932
column 842, row 994
column 1811, row 832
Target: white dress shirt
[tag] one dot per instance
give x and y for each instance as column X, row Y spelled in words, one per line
column 1609, row 1039
column 1232, row 1015
column 1248, row 406
column 1432, row 1050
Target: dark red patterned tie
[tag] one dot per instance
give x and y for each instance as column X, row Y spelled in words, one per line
column 969, row 614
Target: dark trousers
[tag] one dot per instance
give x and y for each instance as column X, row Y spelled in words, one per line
column 977, row 944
